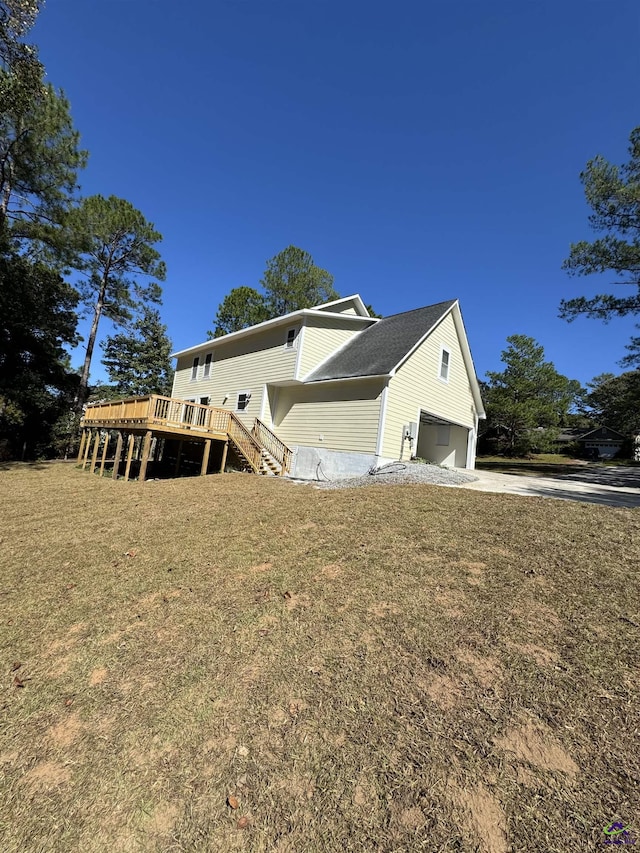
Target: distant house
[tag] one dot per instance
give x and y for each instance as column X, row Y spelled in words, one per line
column 343, row 390
column 601, row 442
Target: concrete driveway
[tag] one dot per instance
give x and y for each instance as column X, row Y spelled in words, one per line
column 609, row 486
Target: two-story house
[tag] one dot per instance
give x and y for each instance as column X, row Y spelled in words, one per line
column 346, row 391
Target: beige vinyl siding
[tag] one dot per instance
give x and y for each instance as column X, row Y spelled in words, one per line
column 238, row 366
column 416, row 386
column 346, row 415
column 322, row 338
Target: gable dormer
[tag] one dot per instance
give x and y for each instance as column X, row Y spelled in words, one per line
column 346, row 305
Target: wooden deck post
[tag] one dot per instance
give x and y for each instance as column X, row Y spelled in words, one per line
column 224, row 456
column 86, row 449
column 83, row 438
column 130, row 445
column 107, row 439
column 94, row 456
column 205, row 457
column 146, row 447
column 118, row 456
column 178, row 455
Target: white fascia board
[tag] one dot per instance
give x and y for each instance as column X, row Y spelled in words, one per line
column 454, row 310
column 419, row 343
column 360, row 306
column 468, row 360
column 286, row 319
column 311, row 382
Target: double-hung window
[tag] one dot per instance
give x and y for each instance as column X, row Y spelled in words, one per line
column 194, row 369
column 445, row 364
column 207, row 366
column 243, row 400
column 292, row 335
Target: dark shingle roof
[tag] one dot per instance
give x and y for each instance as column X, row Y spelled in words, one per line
column 379, row 348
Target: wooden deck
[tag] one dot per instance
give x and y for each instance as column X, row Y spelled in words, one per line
column 155, row 416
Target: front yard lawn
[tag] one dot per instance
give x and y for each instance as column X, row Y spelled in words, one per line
column 237, row 663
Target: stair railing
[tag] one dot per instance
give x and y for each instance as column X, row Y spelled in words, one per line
column 245, row 442
column 273, row 445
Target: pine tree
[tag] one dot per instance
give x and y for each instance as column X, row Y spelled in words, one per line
column 117, row 243
column 39, row 153
column 139, row 363
column 613, row 194
column 291, row 281
column 37, row 319
column 528, row 399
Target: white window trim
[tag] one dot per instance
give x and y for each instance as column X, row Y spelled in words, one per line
column 206, row 367
column 294, row 344
column 195, row 365
column 444, row 349
column 247, row 394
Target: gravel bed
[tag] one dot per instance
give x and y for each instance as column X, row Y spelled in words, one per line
column 399, row 473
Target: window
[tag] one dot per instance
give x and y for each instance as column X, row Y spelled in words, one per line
column 207, row 366
column 445, row 362
column 194, row 368
column 243, row 401
column 443, row 435
column 292, row 335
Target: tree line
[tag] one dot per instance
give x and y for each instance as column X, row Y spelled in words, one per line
column 49, row 233
column 528, row 402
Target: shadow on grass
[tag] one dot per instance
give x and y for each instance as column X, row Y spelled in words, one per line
column 618, row 477
column 605, row 475
column 42, row 465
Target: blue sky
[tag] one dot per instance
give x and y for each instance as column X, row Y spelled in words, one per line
column 420, row 151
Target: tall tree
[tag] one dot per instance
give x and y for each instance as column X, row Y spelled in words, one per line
column 291, row 281
column 139, row 363
column 37, row 319
column 613, row 194
column 528, row 399
column 614, row 401
column 118, row 244
column 39, row 158
column 16, row 19
column 241, row 307
column 39, row 147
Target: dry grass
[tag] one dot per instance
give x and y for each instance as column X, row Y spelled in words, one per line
column 391, row 669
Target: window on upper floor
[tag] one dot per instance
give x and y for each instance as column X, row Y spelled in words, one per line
column 292, row 337
column 194, row 368
column 445, row 364
column 207, row 365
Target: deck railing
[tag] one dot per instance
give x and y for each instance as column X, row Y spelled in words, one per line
column 273, row 445
column 245, row 442
column 133, row 409
column 157, row 411
column 180, row 413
